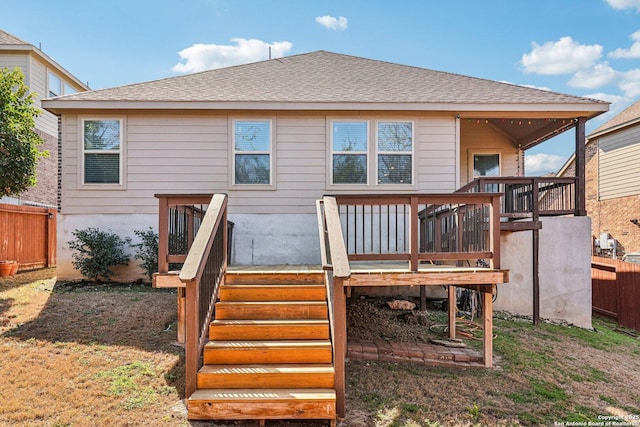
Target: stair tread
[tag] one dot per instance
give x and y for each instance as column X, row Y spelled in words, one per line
column 239, row 345
column 252, row 369
column 259, row 322
column 251, row 303
column 263, row 395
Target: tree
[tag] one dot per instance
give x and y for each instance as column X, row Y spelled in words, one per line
column 19, row 142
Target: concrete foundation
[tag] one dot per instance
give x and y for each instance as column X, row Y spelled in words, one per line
column 564, row 271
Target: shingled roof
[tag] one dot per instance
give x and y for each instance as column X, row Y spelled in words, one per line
column 627, row 117
column 328, row 78
column 10, row 39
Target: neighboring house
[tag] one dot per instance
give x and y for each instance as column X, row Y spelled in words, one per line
column 277, row 135
column 47, row 79
column 613, row 183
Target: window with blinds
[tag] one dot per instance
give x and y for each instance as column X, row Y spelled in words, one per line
column 102, row 144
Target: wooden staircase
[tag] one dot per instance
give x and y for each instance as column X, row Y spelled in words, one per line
column 269, row 354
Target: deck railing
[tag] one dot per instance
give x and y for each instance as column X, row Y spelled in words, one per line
column 180, row 217
column 421, row 227
column 335, row 261
column 526, row 197
column 203, row 273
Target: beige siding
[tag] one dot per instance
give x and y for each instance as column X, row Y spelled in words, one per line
column 479, row 138
column 436, row 154
column 36, row 71
column 619, row 158
column 190, row 153
column 11, row 60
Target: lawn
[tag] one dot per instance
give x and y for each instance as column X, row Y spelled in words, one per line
column 105, row 356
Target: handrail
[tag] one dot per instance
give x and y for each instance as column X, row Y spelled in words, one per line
column 203, row 272
column 336, row 262
column 337, row 249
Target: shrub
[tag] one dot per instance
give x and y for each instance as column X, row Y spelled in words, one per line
column 97, row 251
column 147, row 250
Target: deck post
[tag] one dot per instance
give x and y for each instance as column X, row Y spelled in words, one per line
column 581, row 209
column 487, row 339
column 163, row 235
column 340, row 343
column 453, row 308
column 191, row 339
column 413, row 231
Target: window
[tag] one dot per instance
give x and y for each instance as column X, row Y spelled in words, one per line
column 252, row 152
column 101, row 148
column 395, row 152
column 68, row 89
column 55, row 85
column 349, row 152
column 486, row 165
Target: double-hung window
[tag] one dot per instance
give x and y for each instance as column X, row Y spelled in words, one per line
column 252, row 152
column 349, row 149
column 102, row 151
column 395, row 152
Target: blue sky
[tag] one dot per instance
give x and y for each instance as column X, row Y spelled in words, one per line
column 581, row 47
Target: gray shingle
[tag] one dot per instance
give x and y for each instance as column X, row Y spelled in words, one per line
column 325, row 77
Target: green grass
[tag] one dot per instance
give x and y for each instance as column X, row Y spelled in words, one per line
column 127, row 381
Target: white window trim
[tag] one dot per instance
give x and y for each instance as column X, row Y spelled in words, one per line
column 271, row 152
column 81, row 152
column 367, row 153
column 413, row 156
column 483, row 152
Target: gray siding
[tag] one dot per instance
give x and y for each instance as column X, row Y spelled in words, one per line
column 618, row 170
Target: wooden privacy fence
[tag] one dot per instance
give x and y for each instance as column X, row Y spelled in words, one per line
column 28, row 235
column 616, row 290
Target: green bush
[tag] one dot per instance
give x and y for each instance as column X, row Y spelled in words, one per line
column 147, row 251
column 97, row 251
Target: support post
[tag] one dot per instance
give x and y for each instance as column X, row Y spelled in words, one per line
column 536, row 252
column 191, row 355
column 581, row 209
column 340, row 343
column 452, row 311
column 487, row 336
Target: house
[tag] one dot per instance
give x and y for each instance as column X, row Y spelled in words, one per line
column 613, row 183
column 47, row 79
column 387, row 162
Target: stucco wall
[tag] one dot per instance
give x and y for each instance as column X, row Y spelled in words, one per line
column 122, row 225
column 564, row 272
column 260, row 239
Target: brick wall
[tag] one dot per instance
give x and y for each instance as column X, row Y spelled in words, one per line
column 611, row 216
column 46, row 188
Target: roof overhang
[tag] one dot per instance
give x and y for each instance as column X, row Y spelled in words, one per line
column 60, row 104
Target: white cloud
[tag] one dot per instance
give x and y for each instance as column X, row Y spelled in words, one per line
column 562, row 57
column 595, row 77
column 624, row 4
column 333, row 23
column 630, row 84
column 200, row 57
column 632, row 52
column 540, row 164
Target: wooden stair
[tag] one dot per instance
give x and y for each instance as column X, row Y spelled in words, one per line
column 269, row 354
